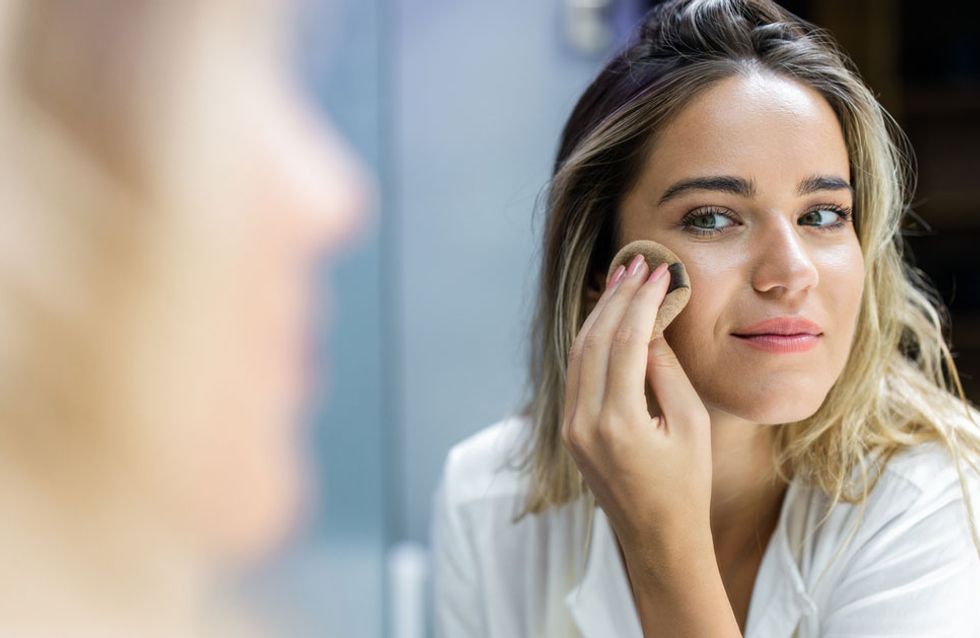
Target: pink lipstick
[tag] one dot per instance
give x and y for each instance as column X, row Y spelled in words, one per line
column 785, row 334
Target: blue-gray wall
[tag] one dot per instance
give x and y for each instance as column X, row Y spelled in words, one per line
column 456, row 105
column 481, row 93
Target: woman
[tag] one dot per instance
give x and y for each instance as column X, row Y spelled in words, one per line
column 802, row 467
column 167, row 194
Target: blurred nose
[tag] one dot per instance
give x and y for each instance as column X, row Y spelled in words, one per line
column 332, row 195
column 783, row 265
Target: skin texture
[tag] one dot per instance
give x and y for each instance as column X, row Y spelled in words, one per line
column 688, row 490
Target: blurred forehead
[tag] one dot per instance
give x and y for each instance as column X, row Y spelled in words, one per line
column 760, row 126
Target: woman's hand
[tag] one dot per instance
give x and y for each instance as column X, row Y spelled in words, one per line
column 650, row 473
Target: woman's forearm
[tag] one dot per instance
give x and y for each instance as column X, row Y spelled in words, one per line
column 677, row 589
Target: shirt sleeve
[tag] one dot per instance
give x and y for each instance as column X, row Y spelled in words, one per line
column 916, row 576
column 455, row 590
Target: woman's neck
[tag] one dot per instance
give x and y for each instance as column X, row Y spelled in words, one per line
column 746, row 495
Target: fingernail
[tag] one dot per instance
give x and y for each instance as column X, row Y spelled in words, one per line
column 658, row 272
column 617, row 276
column 637, row 265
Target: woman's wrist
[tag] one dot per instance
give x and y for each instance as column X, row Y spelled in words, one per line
column 668, row 556
column 677, row 587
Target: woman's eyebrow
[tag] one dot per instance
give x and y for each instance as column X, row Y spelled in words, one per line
column 816, row 183
column 746, row 188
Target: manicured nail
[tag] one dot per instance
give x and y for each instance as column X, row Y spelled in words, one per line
column 658, row 272
column 637, row 265
column 617, row 276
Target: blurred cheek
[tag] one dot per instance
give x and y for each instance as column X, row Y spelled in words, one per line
column 259, row 386
column 247, row 436
column 226, row 455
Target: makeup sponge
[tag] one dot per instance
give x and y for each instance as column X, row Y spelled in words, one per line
column 679, row 290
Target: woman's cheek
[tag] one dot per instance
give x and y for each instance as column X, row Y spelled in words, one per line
column 845, row 289
column 692, row 340
column 700, row 340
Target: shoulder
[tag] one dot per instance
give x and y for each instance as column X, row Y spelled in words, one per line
column 917, row 502
column 921, row 485
column 493, row 569
column 928, row 475
column 915, row 518
column 912, row 567
column 480, row 505
column 925, row 467
column 485, row 466
column 925, row 473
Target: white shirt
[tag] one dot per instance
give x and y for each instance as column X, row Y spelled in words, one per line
column 910, row 570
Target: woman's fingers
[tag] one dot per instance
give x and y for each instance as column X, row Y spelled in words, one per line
column 596, row 343
column 626, row 379
column 679, row 401
column 573, row 368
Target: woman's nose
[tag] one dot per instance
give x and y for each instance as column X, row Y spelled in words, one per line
column 783, row 262
column 332, row 193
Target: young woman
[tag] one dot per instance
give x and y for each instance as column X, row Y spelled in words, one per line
column 167, row 193
column 788, row 457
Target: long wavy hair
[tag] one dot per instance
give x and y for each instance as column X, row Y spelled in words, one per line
column 899, row 387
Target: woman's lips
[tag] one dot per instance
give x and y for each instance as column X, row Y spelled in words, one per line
column 781, row 343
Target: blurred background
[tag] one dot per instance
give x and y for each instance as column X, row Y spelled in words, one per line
column 457, row 107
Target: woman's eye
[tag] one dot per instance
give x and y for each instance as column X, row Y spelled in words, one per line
column 707, row 222
column 823, row 217
column 712, row 222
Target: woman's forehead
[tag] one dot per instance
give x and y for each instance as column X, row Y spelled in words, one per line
column 761, row 128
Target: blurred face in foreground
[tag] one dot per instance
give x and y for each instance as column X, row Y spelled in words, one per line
column 170, row 198
column 278, row 194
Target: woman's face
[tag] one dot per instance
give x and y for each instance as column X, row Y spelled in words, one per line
column 303, row 196
column 762, row 234
column 288, row 195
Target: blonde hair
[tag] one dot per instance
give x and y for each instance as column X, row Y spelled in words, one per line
column 896, row 389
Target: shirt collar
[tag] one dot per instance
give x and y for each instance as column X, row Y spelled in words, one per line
column 780, row 600
column 601, row 603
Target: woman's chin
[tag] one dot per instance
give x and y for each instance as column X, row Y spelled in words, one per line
column 771, row 407
column 779, row 412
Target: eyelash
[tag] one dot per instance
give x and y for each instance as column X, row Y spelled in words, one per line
column 844, row 214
